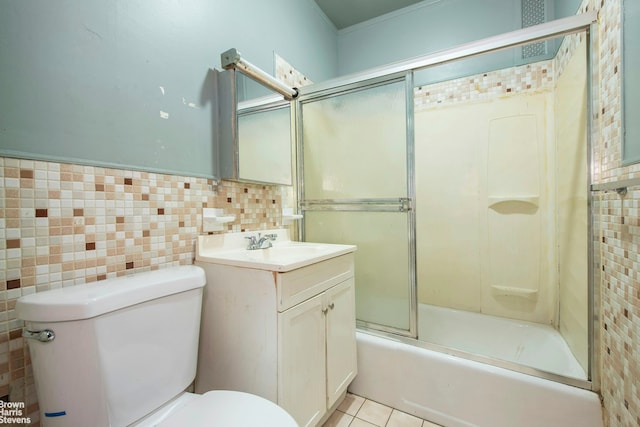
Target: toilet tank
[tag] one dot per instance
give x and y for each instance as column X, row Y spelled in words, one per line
column 122, row 348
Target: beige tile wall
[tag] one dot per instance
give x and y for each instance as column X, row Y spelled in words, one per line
column 618, row 228
column 64, row 224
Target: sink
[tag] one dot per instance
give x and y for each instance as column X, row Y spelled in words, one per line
column 284, row 255
column 293, row 249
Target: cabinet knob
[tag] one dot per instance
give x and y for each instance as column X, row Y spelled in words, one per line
column 324, row 310
column 331, row 306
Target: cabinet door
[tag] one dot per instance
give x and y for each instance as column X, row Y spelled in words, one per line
column 301, row 361
column 341, row 339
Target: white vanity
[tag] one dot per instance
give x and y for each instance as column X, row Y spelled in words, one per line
column 278, row 322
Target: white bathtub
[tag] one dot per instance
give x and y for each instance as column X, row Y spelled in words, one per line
column 526, row 343
column 453, row 391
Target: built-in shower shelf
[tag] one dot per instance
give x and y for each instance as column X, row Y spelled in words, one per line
column 495, row 202
column 514, row 292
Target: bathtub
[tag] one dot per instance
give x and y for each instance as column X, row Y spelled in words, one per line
column 526, row 343
column 454, row 392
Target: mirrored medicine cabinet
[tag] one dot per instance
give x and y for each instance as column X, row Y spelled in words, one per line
column 255, row 131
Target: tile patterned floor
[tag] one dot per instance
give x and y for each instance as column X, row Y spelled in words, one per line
column 356, row 411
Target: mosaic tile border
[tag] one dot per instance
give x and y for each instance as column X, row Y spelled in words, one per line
column 482, row 87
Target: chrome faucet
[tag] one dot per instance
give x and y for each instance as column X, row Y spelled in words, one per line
column 260, row 242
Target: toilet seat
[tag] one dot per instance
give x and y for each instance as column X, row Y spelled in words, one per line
column 223, row 408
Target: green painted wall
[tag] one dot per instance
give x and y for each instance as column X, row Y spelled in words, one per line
column 128, row 82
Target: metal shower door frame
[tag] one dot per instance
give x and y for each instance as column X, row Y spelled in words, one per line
column 586, row 22
column 402, row 204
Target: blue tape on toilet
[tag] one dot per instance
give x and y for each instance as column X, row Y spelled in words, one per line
column 55, row 414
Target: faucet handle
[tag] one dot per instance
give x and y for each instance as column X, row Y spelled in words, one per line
column 272, row 236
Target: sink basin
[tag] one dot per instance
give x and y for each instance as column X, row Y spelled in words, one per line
column 292, row 249
column 284, row 255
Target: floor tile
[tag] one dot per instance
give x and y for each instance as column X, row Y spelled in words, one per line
column 402, row 419
column 374, row 413
column 338, row 419
column 357, row 422
column 351, row 404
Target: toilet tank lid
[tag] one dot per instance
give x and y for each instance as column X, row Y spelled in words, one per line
column 93, row 299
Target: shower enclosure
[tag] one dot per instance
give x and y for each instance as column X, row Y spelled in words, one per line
column 463, row 179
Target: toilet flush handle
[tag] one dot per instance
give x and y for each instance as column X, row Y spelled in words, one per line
column 45, row 335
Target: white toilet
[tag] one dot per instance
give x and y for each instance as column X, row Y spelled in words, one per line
column 122, row 352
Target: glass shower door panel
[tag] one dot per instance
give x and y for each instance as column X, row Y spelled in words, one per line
column 355, row 144
column 382, row 260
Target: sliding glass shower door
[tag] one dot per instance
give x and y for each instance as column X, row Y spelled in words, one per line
column 356, row 161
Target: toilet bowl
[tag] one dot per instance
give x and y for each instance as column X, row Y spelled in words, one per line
column 123, row 352
column 225, row 409
column 220, row 408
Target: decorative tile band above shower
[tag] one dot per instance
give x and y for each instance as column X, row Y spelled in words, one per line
column 481, row 87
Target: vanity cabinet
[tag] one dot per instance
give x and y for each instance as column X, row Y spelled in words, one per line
column 317, row 353
column 286, row 336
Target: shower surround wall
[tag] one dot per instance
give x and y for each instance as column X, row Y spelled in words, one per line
column 499, row 194
column 459, row 267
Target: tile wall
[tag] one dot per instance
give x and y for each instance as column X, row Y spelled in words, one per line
column 618, row 233
column 64, row 224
